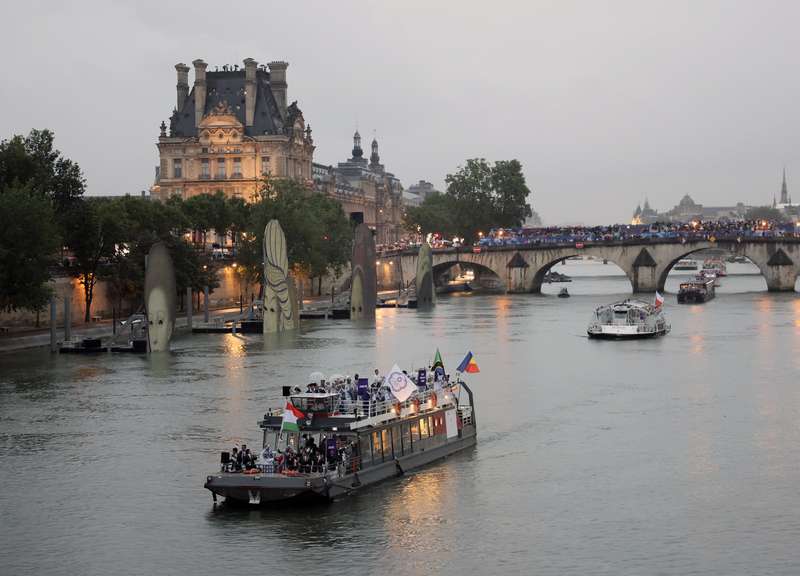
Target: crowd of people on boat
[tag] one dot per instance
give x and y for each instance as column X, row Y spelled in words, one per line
column 308, row 458
column 378, row 390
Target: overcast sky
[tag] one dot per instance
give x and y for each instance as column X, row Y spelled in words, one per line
column 604, row 103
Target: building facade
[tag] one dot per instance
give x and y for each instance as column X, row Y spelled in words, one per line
column 367, row 192
column 233, row 127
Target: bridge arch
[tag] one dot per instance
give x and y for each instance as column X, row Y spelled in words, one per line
column 646, row 262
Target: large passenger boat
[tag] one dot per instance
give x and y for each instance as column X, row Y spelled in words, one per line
column 628, row 319
column 701, row 289
column 364, row 442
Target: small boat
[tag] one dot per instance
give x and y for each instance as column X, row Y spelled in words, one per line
column 686, row 264
column 628, row 319
column 563, row 293
column 699, row 290
column 362, row 442
column 716, row 266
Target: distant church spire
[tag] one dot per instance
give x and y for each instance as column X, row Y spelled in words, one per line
column 784, row 193
column 357, row 151
column 374, row 159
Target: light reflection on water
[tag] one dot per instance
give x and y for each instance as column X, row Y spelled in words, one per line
column 593, row 457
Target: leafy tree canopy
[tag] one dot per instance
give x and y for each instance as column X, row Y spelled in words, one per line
column 434, row 215
column 28, row 241
column 485, row 197
column 94, row 232
column 32, row 161
column 767, row 213
column 318, row 233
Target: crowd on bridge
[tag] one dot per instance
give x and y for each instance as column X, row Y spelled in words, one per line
column 695, row 229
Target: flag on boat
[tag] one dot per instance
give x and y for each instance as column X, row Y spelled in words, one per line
column 468, row 365
column 290, row 417
column 659, row 300
column 438, row 366
column 400, row 385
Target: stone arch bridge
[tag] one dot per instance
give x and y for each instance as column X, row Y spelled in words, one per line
column 646, row 261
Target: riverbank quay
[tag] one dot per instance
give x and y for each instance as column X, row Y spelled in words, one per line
column 25, row 339
column 22, row 340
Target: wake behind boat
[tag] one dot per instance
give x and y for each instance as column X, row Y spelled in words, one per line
column 628, row 319
column 362, row 442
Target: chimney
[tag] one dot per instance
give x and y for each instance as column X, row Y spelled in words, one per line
column 250, row 66
column 422, row 189
column 199, row 91
column 183, row 84
column 277, row 83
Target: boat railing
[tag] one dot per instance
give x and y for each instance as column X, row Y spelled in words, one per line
column 369, row 408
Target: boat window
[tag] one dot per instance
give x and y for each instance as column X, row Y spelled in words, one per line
column 397, row 447
column 430, row 426
column 386, row 435
column 415, row 431
column 377, row 448
column 364, row 450
column 406, row 428
column 423, row 427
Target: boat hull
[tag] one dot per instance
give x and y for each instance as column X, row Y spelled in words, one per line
column 625, row 335
column 316, row 488
column 694, row 298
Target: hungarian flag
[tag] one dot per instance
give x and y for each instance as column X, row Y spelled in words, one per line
column 468, row 365
column 659, row 300
column 437, row 367
column 290, row 417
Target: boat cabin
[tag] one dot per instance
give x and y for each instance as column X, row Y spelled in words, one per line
column 319, row 405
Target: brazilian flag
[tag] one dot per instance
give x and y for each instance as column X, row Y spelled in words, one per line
column 438, row 365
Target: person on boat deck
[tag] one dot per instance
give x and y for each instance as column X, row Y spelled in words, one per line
column 290, row 459
column 312, row 388
column 236, row 459
column 248, row 460
column 377, row 378
column 305, row 462
column 318, row 463
column 267, row 460
column 296, row 390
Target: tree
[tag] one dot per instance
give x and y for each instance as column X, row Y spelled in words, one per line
column 434, row 215
column 94, row 231
column 191, row 268
column 511, row 194
column 28, row 241
column 34, row 162
column 201, row 212
column 485, row 197
column 318, row 233
column 767, row 213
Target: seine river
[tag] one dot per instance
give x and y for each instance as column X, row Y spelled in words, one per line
column 679, row 455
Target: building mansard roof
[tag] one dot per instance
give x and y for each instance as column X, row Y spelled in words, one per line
column 229, row 88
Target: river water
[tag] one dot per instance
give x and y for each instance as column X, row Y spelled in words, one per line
column 679, row 455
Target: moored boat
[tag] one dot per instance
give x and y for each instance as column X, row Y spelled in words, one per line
column 628, row 319
column 364, row 442
column 699, row 290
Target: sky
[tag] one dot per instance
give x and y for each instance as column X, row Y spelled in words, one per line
column 605, row 104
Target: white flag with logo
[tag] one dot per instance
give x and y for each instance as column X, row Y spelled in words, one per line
column 399, row 384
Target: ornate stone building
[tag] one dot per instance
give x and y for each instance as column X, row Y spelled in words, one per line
column 231, row 129
column 368, row 193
